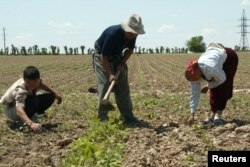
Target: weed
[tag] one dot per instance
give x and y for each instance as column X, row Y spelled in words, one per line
column 102, row 146
column 202, row 134
column 190, row 159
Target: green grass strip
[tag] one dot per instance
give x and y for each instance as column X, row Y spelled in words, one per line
column 102, row 146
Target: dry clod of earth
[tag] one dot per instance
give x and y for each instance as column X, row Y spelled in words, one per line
column 55, row 160
column 231, row 126
column 64, row 142
column 152, row 152
column 18, row 162
column 222, row 129
column 243, row 129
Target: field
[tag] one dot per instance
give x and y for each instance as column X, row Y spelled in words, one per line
column 72, row 135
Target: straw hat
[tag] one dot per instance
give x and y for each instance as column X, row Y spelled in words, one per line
column 133, row 25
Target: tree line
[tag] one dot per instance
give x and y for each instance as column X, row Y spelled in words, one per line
column 55, row 50
column 159, row 50
column 52, row 50
column 195, row 44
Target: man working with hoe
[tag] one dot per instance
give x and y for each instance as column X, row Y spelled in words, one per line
column 112, row 51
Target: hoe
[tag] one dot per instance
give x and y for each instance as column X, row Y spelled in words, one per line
column 105, row 100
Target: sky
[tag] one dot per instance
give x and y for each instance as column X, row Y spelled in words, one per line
column 168, row 23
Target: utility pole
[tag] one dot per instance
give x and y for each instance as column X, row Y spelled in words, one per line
column 243, row 27
column 4, row 41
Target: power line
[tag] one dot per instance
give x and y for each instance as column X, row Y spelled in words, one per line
column 243, row 27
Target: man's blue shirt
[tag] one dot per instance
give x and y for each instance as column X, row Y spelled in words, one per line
column 112, row 42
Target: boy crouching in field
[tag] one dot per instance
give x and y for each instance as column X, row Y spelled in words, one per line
column 22, row 102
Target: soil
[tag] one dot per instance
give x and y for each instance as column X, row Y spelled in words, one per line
column 167, row 141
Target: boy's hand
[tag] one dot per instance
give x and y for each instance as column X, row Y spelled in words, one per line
column 36, row 127
column 58, row 98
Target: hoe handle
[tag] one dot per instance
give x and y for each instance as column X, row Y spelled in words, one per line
column 109, row 90
column 111, row 86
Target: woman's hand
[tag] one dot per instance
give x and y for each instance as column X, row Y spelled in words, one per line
column 58, row 98
column 204, row 89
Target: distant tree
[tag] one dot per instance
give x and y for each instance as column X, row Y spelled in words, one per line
column 17, row 51
column 179, row 50
column 1, row 52
column 35, row 49
column 44, row 51
column 38, row 52
column 167, row 50
column 92, row 51
column 75, row 51
column 135, row 49
column 13, row 50
column 7, row 51
column 237, row 48
column 71, row 51
column 176, row 50
column 30, row 51
column 66, row 50
column 139, row 50
column 196, row 44
column 157, row 50
column 57, row 50
column 82, row 49
column 172, row 50
column 143, row 50
column 151, row 51
column 23, row 50
column 183, row 50
column 89, row 51
column 161, row 49
column 53, row 49
column 244, row 48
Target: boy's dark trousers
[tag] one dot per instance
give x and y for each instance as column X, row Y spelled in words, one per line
column 38, row 103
